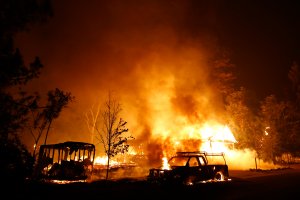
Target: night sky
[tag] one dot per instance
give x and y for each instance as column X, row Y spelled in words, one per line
column 264, row 39
column 150, row 49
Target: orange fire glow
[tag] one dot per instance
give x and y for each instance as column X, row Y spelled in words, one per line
column 210, row 137
column 165, row 164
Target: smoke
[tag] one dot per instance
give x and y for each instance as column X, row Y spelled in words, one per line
column 155, row 55
column 246, row 159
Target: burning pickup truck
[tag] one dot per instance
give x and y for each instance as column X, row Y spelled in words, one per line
column 190, row 168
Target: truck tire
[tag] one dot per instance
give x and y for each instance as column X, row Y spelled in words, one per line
column 219, row 176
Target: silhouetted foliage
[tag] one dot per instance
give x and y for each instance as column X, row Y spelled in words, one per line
column 43, row 116
column 294, row 77
column 244, row 124
column 16, row 162
column 273, row 117
column 291, row 129
column 57, row 100
column 17, row 16
column 222, row 76
column 15, row 104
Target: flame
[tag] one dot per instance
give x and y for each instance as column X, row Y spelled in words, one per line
column 102, row 160
column 176, row 107
column 165, row 164
column 211, row 137
column 217, row 138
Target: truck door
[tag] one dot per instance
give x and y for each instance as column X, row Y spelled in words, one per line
column 203, row 169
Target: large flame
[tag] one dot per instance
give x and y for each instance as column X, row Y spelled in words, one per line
column 211, row 137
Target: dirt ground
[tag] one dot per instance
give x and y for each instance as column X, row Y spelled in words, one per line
column 252, row 173
column 244, row 184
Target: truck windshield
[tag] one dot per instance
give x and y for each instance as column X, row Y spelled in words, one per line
column 178, row 161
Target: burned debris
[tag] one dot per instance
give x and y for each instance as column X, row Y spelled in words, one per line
column 68, row 161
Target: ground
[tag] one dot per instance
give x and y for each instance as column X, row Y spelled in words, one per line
column 245, row 184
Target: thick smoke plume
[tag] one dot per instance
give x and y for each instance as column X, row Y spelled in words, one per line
column 156, row 56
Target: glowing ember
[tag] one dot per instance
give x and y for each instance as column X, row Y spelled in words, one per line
column 67, row 181
column 266, row 130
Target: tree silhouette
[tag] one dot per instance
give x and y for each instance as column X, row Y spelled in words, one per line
column 244, row 124
column 294, row 77
column 44, row 116
column 15, row 104
column 274, row 116
column 57, row 100
column 113, row 130
column 222, row 75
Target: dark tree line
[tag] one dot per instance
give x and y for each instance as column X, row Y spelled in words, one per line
column 19, row 110
column 272, row 129
column 269, row 126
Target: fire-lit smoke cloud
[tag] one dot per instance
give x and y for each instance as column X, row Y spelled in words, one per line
column 155, row 55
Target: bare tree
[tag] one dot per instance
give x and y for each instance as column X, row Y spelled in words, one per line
column 113, row 130
column 91, row 118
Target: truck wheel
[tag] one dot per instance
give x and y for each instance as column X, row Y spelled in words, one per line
column 219, row 176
